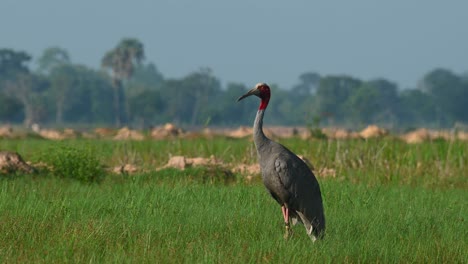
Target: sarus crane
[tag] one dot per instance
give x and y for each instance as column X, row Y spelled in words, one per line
column 286, row 176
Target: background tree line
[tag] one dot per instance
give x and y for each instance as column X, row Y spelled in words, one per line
column 127, row 91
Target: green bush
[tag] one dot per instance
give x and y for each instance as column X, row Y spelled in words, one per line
column 315, row 130
column 73, row 163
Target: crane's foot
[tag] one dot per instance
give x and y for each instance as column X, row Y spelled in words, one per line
column 288, row 231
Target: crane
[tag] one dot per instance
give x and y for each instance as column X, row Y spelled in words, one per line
column 288, row 179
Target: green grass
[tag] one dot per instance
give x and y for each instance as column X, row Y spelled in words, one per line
column 437, row 164
column 390, row 202
column 143, row 219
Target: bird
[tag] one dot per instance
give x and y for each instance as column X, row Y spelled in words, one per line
column 286, row 176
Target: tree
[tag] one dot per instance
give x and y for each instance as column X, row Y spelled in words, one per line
column 13, row 62
column 449, row 93
column 26, row 88
column 143, row 94
column 65, row 84
column 416, row 108
column 308, row 84
column 282, row 109
column 145, row 77
column 122, row 61
column 11, row 109
column 56, row 65
column 374, row 101
column 146, row 107
column 331, row 95
column 228, row 112
column 18, row 82
column 88, row 97
column 299, row 109
column 179, row 103
column 202, row 85
column 189, row 100
column 51, row 58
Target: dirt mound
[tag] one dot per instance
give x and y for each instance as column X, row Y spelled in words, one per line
column 11, row 162
column 339, row 133
column 167, row 131
column 125, row 169
column 104, row 132
column 283, row 132
column 250, row 171
column 304, row 134
column 70, row 133
column 182, row 162
column 89, row 135
column 241, row 132
column 51, row 134
column 442, row 134
column 423, row 134
column 127, row 134
column 208, row 133
column 417, row 136
column 326, row 173
column 6, row 132
column 373, row 131
column 329, row 131
column 253, row 169
column 462, row 136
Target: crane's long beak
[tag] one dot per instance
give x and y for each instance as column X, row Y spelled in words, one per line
column 254, row 91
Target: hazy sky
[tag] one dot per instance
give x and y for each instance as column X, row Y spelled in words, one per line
column 252, row 40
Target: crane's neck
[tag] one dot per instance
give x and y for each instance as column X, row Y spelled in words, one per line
column 259, row 137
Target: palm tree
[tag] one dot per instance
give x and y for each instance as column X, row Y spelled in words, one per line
column 122, row 61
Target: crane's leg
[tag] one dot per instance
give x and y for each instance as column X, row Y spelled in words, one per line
column 288, row 232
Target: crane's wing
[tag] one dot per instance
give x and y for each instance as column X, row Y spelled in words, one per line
column 295, row 176
column 301, row 192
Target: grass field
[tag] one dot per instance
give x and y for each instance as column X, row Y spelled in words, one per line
column 389, row 202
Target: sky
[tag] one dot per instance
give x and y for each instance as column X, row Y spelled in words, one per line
column 251, row 41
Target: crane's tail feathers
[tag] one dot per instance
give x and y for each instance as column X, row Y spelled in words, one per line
column 310, row 234
column 312, row 229
column 295, row 220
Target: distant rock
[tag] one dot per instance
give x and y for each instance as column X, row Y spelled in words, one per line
column 241, row 132
column 104, row 132
column 417, row 136
column 51, row 134
column 125, row 169
column 373, row 131
column 442, row 134
column 11, row 162
column 70, row 133
column 167, row 131
column 462, row 135
column 182, row 162
column 127, row 134
column 6, row 132
column 326, row 173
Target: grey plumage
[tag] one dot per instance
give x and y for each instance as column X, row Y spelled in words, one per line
column 288, row 179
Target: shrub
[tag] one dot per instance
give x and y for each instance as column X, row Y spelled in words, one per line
column 73, row 163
